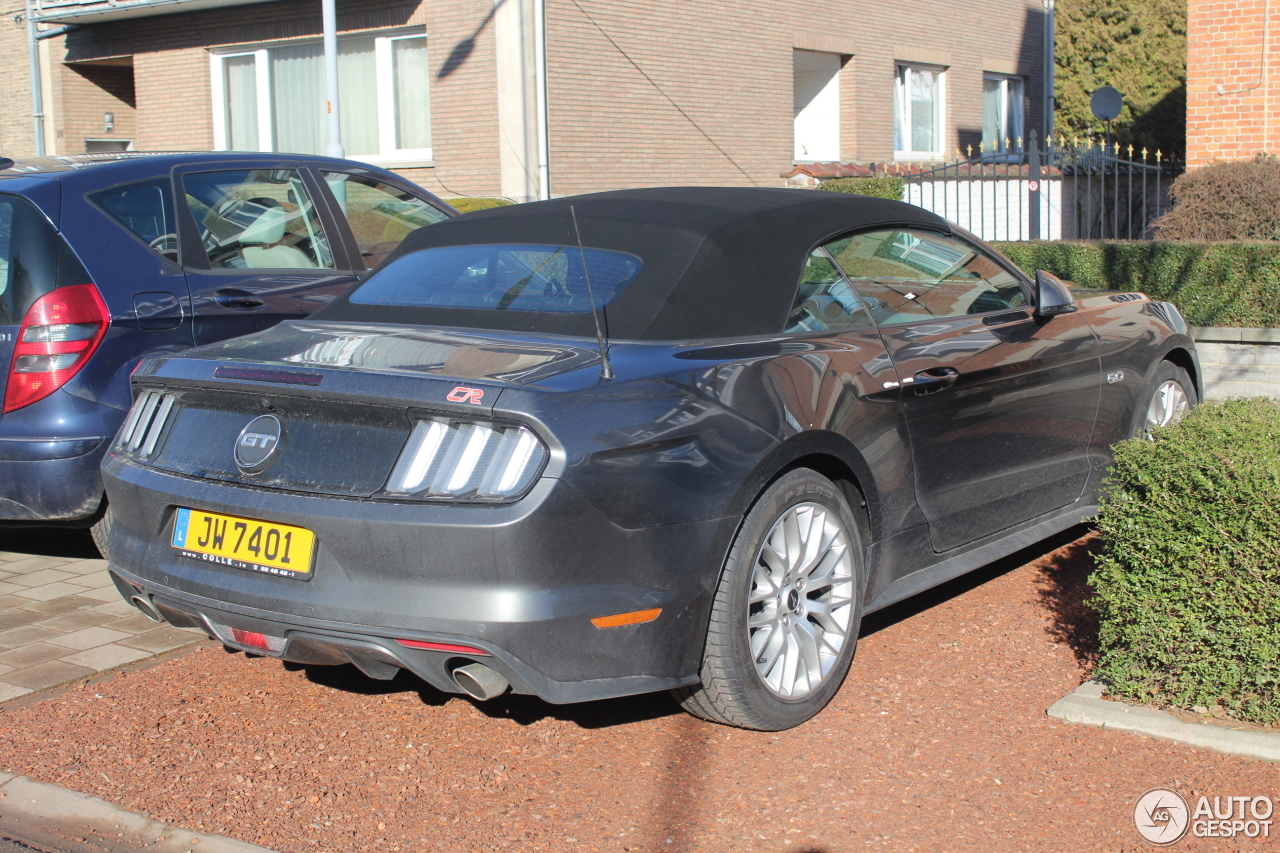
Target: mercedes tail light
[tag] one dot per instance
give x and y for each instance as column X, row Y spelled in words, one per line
column 57, row 337
column 447, row 459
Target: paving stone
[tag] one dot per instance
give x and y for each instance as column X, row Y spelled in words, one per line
column 106, row 657
column 135, row 623
column 82, row 567
column 51, row 591
column 31, row 655
column 119, row 607
column 25, row 635
column 97, row 580
column 12, row 691
column 47, row 674
column 59, row 606
column 29, row 564
column 164, row 639
column 4, row 575
column 7, row 588
column 107, row 593
column 18, row 618
column 87, row 638
column 8, row 602
column 4, row 669
column 73, row 621
column 40, row 578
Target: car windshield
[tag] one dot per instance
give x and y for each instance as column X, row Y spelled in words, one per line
column 502, row 277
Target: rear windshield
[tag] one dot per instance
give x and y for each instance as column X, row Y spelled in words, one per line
column 502, row 277
column 28, row 257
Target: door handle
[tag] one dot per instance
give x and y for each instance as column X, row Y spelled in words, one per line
column 230, row 297
column 935, row 379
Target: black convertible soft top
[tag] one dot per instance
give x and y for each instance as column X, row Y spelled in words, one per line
column 718, row 261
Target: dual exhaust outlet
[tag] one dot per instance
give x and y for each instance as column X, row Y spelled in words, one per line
column 474, row 679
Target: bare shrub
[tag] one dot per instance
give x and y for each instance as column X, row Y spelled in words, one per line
column 1228, row 200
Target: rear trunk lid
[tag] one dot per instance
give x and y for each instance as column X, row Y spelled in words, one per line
column 345, row 397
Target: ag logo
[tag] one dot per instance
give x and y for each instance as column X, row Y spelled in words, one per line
column 257, row 443
column 462, row 394
column 1161, row 816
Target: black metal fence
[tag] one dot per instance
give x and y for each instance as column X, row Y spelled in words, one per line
column 1079, row 191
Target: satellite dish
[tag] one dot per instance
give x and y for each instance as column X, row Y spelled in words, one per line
column 1106, row 103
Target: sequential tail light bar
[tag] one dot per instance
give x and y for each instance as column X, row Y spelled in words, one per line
column 467, row 461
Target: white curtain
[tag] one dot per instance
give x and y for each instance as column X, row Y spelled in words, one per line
column 358, row 96
column 924, row 109
column 413, row 106
column 901, row 109
column 241, row 84
column 297, row 90
column 1015, row 112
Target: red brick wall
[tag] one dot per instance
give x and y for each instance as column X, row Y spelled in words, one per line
column 1231, row 108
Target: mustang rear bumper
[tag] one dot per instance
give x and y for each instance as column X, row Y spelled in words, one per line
column 521, row 582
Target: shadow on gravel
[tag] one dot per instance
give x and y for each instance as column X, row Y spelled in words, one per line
column 49, row 542
column 525, row 710
column 929, row 599
column 1064, row 591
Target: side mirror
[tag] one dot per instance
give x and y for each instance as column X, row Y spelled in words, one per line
column 1053, row 296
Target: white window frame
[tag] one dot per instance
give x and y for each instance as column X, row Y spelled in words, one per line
column 1014, row 144
column 385, row 83
column 941, row 131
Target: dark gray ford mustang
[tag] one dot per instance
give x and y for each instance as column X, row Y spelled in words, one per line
column 812, row 405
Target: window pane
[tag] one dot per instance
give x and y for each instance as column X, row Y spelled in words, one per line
column 825, row 300
column 905, row 276
column 144, row 208
column 257, row 219
column 901, row 109
column 502, row 277
column 240, row 81
column 1013, row 111
column 380, row 215
column 993, row 132
column 413, row 106
column 358, row 96
column 924, row 107
column 298, row 99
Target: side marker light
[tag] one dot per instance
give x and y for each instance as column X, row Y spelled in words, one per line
column 634, row 618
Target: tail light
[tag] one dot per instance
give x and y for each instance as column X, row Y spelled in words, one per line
column 467, row 461
column 57, row 337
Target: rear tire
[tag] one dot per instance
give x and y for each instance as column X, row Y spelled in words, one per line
column 785, row 618
column 101, row 531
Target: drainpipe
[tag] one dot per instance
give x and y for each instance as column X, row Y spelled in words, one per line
column 329, row 13
column 37, row 96
column 1050, row 34
column 540, row 86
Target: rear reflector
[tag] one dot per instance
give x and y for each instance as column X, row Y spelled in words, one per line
column 57, row 338
column 249, row 639
column 620, row 619
column 442, row 647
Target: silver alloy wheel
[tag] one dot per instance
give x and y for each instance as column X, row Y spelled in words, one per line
column 801, row 603
column 1168, row 404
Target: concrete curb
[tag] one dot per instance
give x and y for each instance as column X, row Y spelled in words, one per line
column 44, row 814
column 1085, row 706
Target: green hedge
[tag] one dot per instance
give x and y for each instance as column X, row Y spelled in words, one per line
column 466, row 205
column 891, row 188
column 1213, row 284
column 1188, row 585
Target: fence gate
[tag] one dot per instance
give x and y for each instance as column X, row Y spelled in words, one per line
column 1087, row 191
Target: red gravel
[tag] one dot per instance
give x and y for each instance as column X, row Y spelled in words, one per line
column 939, row 741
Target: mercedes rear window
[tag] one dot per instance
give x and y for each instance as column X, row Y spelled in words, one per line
column 29, row 249
column 502, row 277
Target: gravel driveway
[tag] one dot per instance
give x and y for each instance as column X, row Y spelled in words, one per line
column 938, row 741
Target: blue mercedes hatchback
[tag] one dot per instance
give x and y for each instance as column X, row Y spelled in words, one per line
column 107, row 259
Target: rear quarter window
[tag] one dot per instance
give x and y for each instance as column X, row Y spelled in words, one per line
column 29, row 250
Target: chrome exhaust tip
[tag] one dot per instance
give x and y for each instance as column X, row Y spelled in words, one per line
column 479, row 681
column 148, row 609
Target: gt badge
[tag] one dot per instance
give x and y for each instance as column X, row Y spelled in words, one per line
column 257, row 443
column 462, row 394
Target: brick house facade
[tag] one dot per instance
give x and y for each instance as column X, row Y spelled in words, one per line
column 640, row 92
column 1232, row 112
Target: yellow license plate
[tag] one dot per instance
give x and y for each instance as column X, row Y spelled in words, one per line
column 245, row 543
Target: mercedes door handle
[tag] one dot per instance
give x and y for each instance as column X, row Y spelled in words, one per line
column 935, row 379
column 231, row 297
